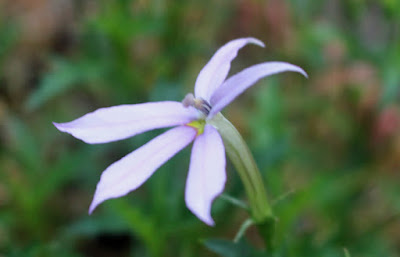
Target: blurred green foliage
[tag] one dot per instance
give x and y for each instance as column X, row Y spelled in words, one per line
column 328, row 147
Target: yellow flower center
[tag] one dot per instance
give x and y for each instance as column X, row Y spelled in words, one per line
column 197, row 125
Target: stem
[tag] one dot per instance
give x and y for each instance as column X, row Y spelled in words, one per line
column 241, row 157
column 242, row 230
column 234, row 201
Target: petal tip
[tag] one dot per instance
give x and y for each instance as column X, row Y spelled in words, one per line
column 210, row 222
column 301, row 71
column 63, row 127
column 92, row 207
column 256, row 41
column 204, row 217
column 58, row 126
column 293, row 68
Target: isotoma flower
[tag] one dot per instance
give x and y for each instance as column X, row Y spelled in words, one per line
column 212, row 92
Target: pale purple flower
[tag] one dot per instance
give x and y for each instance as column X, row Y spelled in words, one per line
column 206, row 178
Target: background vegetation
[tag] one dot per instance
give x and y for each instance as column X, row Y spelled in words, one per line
column 328, row 147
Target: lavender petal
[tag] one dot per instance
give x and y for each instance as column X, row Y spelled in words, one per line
column 239, row 82
column 123, row 121
column 215, row 71
column 133, row 170
column 206, row 178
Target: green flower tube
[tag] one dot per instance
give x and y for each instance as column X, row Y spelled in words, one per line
column 241, row 157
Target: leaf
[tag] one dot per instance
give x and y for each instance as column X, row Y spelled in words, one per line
column 64, row 76
column 8, row 37
column 23, row 144
column 142, row 225
column 226, row 248
column 346, row 252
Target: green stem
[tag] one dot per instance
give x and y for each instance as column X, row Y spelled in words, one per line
column 234, row 201
column 241, row 157
column 242, row 230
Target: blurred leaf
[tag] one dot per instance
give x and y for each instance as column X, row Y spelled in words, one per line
column 118, row 22
column 67, row 168
column 227, row 248
column 93, row 225
column 24, row 146
column 37, row 249
column 8, row 37
column 64, row 76
column 142, row 225
column 391, row 77
column 392, row 7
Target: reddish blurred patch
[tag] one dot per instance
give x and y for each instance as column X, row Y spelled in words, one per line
column 359, row 78
column 40, row 22
column 279, row 22
column 43, row 27
column 386, row 124
column 385, row 139
column 261, row 18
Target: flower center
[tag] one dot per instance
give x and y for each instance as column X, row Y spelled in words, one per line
column 197, row 125
column 198, row 103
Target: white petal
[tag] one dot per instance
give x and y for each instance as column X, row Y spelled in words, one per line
column 239, row 82
column 214, row 73
column 133, row 170
column 123, row 121
column 206, row 178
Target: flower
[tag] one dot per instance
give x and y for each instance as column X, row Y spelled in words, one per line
column 206, row 178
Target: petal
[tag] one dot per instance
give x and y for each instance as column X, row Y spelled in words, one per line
column 123, row 121
column 133, row 170
column 216, row 70
column 239, row 82
column 206, row 178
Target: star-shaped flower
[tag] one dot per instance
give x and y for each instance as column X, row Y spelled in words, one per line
column 206, row 178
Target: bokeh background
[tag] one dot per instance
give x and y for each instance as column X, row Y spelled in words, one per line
column 328, row 147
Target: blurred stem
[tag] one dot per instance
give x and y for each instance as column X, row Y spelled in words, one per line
column 242, row 230
column 241, row 157
column 346, row 252
column 283, row 197
column 234, row 201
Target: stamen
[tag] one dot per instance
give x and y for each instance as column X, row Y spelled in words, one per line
column 198, row 103
column 188, row 100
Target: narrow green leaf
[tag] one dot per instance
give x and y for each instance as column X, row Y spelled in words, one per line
column 64, row 76
column 227, row 248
